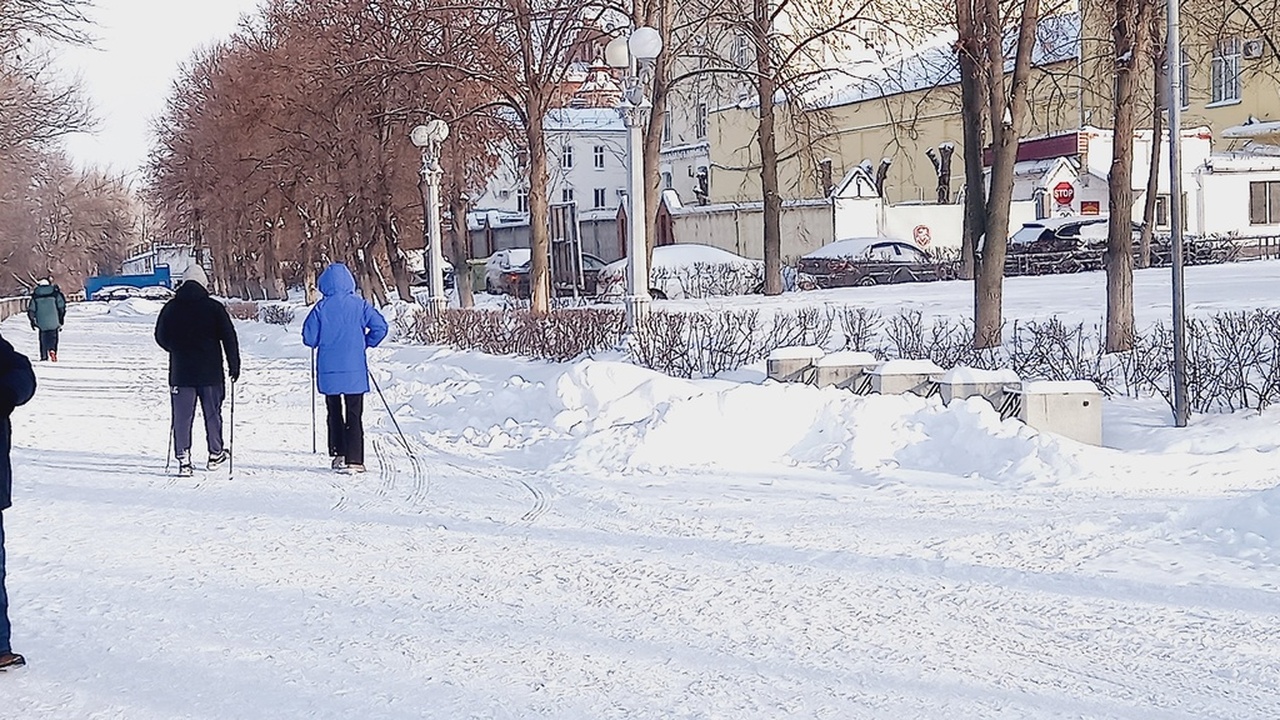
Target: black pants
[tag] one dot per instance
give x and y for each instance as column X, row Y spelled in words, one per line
column 48, row 341
column 184, row 414
column 346, row 433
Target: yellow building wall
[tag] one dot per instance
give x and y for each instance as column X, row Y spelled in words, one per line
column 899, row 127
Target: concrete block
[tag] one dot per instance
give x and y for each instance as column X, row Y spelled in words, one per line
column 1072, row 409
column 899, row 377
column 846, row 370
column 793, row 364
column 963, row 382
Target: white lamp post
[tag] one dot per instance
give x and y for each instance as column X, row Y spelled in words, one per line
column 428, row 138
column 636, row 54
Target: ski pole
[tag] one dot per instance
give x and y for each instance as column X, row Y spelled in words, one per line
column 168, row 450
column 392, row 416
column 314, row 390
column 231, row 435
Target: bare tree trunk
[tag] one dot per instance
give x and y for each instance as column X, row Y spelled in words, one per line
column 1153, row 167
column 772, row 209
column 1006, row 114
column 539, row 236
column 1130, row 31
column 971, row 104
column 459, row 240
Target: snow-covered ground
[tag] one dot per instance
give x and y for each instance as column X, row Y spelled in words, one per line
column 593, row 540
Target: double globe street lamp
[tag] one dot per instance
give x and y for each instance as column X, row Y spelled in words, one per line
column 428, row 138
column 635, row 53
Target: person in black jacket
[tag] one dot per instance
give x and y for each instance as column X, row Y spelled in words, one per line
column 195, row 329
column 17, row 385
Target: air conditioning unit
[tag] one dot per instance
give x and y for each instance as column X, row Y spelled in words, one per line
column 1252, row 49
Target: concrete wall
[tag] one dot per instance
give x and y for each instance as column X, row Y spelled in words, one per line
column 936, row 227
column 740, row 228
column 599, row 238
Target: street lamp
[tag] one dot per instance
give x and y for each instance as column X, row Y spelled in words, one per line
column 428, row 138
column 636, row 54
column 1181, row 409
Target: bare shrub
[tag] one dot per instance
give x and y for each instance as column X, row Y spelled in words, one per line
column 561, row 336
column 861, row 327
column 243, row 310
column 277, row 314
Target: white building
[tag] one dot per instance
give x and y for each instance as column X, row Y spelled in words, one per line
column 177, row 257
column 587, row 158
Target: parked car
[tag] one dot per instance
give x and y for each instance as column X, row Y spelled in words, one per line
column 515, row 280
column 418, row 276
column 1064, row 234
column 690, row 270
column 503, row 261
column 870, row 261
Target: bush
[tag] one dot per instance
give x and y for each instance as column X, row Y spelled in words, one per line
column 277, row 314
column 243, row 310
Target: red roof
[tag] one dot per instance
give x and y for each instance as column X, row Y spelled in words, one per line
column 1045, row 148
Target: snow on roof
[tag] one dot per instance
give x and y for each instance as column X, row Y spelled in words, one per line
column 796, row 353
column 908, row 367
column 854, row 247
column 934, row 64
column 979, row 376
column 846, row 358
column 583, row 119
column 1055, row 387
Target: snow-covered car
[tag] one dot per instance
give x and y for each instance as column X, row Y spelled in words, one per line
column 1064, row 234
column 514, row 280
column 504, row 262
column 125, row 292
column 870, row 261
column 688, row 270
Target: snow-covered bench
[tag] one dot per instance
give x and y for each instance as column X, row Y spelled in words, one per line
column 899, row 377
column 793, row 364
column 846, row 369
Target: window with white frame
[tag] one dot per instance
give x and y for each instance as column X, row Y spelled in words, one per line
column 666, row 126
column 741, row 50
column 1264, row 203
column 566, row 156
column 598, row 198
column 597, row 157
column 566, row 195
column 700, row 121
column 522, row 200
column 1225, row 67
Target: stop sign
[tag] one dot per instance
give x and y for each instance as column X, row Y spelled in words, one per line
column 1064, row 192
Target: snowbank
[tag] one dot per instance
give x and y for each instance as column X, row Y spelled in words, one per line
column 138, row 309
column 1248, row 529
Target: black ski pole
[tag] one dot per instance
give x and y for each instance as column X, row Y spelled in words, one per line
column 392, row 416
column 231, row 435
column 314, row 390
column 168, row 450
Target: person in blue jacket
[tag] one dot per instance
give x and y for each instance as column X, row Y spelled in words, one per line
column 17, row 386
column 340, row 327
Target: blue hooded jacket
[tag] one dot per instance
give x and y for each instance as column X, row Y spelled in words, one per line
column 340, row 327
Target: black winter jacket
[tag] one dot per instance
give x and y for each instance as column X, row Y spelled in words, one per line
column 17, row 385
column 191, row 327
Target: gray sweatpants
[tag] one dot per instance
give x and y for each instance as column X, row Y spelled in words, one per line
column 183, row 400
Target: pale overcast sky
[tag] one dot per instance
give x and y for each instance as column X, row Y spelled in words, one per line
column 127, row 76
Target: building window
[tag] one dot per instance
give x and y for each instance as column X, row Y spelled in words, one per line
column 666, row 181
column 522, row 160
column 1226, row 71
column 666, row 126
column 1264, row 203
column 566, row 157
column 598, row 198
column 700, row 121
column 522, row 200
column 741, row 50
column 1162, row 211
column 597, row 156
column 1184, row 77
column 566, row 195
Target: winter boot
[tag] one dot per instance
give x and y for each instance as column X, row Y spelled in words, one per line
column 339, row 462
column 216, row 460
column 11, row 660
column 354, row 469
column 185, row 468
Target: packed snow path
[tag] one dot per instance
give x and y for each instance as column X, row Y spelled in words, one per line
column 517, row 568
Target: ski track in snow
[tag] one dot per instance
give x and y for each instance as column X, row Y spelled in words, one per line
column 457, row 583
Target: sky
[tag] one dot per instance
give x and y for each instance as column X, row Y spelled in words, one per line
column 127, row 75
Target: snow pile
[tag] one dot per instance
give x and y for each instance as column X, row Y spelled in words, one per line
column 136, row 309
column 1248, row 529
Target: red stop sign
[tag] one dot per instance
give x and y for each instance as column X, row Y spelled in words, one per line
column 1064, row 192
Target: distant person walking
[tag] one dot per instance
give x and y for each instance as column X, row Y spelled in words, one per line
column 47, row 310
column 340, row 327
column 196, row 330
column 17, row 385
